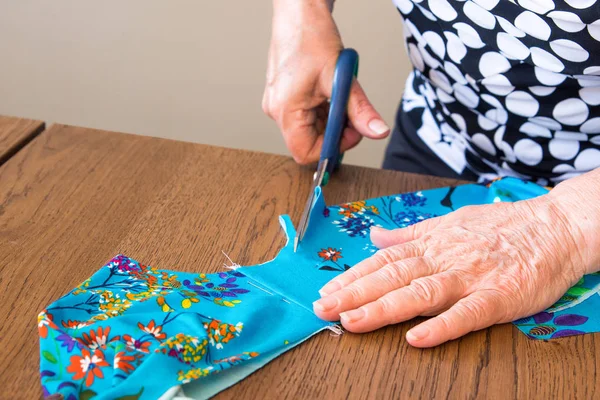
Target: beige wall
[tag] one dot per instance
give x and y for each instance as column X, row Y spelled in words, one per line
column 190, row 69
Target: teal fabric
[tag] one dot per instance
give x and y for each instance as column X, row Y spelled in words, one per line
column 132, row 331
column 344, row 229
column 575, row 313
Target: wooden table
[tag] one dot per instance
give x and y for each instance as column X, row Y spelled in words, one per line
column 15, row 133
column 75, row 197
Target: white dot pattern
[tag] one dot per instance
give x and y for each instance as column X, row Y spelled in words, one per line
column 506, row 87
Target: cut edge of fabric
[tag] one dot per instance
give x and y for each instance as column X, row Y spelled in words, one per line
column 593, row 291
column 206, row 389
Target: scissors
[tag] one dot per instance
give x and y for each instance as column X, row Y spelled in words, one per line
column 346, row 70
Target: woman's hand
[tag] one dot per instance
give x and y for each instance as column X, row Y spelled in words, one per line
column 305, row 45
column 478, row 266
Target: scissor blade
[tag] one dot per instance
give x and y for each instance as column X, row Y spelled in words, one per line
column 309, row 204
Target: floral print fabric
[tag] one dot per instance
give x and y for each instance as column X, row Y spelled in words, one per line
column 132, row 331
column 574, row 314
column 338, row 238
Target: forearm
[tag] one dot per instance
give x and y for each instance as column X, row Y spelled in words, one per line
column 579, row 201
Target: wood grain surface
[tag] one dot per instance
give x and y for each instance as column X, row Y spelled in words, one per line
column 75, row 197
column 15, row 133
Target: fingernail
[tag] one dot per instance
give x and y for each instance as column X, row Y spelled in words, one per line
column 378, row 127
column 331, row 287
column 353, row 315
column 378, row 229
column 326, row 303
column 418, row 333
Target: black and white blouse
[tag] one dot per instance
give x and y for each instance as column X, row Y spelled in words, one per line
column 505, row 87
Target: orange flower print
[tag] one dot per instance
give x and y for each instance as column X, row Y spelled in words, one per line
column 349, row 209
column 87, row 365
column 75, row 324
column 97, row 338
column 123, row 362
column 219, row 333
column 153, row 330
column 170, row 281
column 45, row 321
column 330, row 257
column 134, row 344
column 330, row 254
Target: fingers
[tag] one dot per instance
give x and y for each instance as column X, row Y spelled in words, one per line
column 350, row 139
column 371, row 287
column 302, row 115
column 301, row 134
column 371, row 264
column 475, row 312
column 423, row 295
column 383, row 238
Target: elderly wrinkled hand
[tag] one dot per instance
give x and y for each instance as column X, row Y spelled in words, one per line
column 478, row 266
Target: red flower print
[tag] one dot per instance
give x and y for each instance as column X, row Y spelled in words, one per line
column 134, row 344
column 87, row 365
column 97, row 338
column 330, row 254
column 122, row 362
column 153, row 330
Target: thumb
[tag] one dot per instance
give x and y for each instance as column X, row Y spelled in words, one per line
column 361, row 113
column 364, row 117
column 383, row 238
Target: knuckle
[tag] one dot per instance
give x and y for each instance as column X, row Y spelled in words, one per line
column 353, row 274
column 301, row 158
column 411, row 249
column 362, row 106
column 474, row 309
column 426, row 290
column 354, row 291
column 348, row 277
column 265, row 108
column 384, row 256
column 266, row 100
column 431, row 263
column 445, row 322
column 387, row 308
column 394, row 273
column 501, row 307
column 393, row 254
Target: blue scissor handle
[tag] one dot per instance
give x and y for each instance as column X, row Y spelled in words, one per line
column 345, row 71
